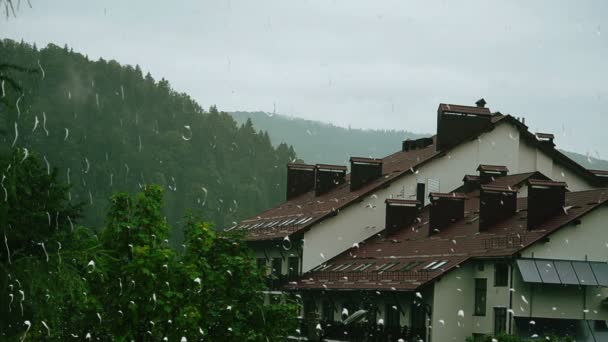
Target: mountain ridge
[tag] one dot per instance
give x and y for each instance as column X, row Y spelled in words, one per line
column 311, row 138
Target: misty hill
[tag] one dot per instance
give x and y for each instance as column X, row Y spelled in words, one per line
column 108, row 128
column 318, row 142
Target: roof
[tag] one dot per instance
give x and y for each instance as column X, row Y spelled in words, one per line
column 448, row 195
column 492, row 168
column 300, row 213
column 410, row 258
column 544, row 135
column 538, row 182
column 366, row 160
column 401, row 201
column 452, row 108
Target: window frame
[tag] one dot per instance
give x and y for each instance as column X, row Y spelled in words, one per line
column 481, row 295
column 504, row 276
column 502, row 319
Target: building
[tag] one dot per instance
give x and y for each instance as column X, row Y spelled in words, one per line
column 329, row 211
column 478, row 261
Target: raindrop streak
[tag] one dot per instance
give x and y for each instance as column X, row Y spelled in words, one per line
column 16, row 135
column 44, row 123
column 97, row 100
column 139, row 138
column 204, row 199
column 122, row 92
column 67, row 134
column 92, row 265
column 189, row 135
column 35, row 123
column 44, row 249
column 29, row 325
column 198, row 281
column 41, row 69
column 8, row 251
column 58, row 249
column 48, row 331
column 17, row 105
column 4, row 188
column 2, row 86
column 48, row 166
column 26, row 154
column 86, row 160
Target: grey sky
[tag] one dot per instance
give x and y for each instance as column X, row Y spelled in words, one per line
column 371, row 64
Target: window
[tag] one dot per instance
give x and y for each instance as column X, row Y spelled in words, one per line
column 310, row 308
column 348, row 308
column 439, row 264
column 362, row 267
column 410, row 265
column 500, row 320
column 327, row 311
column 429, row 265
column 501, row 274
column 293, row 264
column 391, row 314
column 385, row 267
column 481, row 286
column 277, row 266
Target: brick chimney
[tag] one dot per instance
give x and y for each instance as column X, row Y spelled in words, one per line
column 328, row 177
column 496, row 203
column 410, row 145
column 545, row 199
column 446, row 208
column 364, row 170
column 300, row 179
column 400, row 213
column 456, row 123
column 545, row 138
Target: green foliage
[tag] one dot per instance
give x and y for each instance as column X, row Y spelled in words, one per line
column 110, row 128
column 128, row 283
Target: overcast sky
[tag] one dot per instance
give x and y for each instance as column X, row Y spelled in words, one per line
column 368, row 64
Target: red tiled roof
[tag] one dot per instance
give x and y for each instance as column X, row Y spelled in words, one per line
column 308, row 209
column 319, row 207
column 454, row 244
column 331, row 167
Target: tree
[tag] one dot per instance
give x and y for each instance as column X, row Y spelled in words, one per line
column 210, row 291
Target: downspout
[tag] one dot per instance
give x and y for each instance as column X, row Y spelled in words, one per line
column 510, row 311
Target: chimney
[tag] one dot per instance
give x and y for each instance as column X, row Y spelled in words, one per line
column 400, row 213
column 410, row 145
column 300, row 179
column 470, row 182
column 489, row 172
column 364, row 170
column 481, row 103
column 545, row 199
column 446, row 208
column 497, row 203
column 545, row 138
column 328, row 177
column 456, row 123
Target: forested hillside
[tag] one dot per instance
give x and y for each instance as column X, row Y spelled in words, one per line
column 318, row 142
column 109, row 128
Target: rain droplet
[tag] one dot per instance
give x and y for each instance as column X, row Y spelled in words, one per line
column 188, row 135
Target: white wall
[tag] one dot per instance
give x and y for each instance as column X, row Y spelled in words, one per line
column 358, row 222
